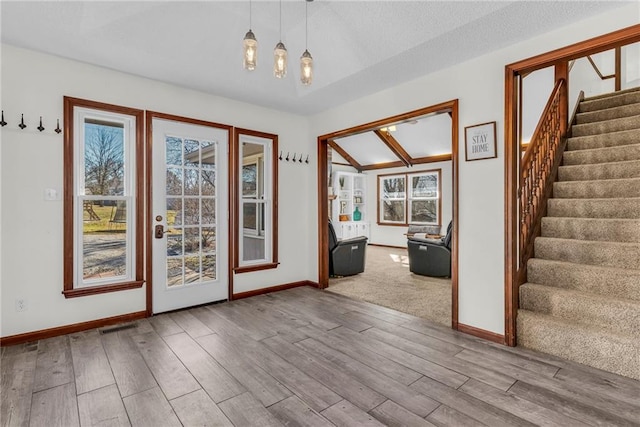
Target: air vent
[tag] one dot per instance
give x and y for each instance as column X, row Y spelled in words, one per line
column 118, row 328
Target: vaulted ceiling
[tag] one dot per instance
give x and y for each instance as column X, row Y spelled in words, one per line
column 359, row 47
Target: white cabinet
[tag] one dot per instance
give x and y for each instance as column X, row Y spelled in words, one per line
column 349, row 208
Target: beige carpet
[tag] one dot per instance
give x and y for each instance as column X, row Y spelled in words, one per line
column 387, row 281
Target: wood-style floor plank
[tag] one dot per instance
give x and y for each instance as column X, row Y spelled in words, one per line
column 197, row 409
column 129, row 368
column 300, row 357
column 345, row 414
column 393, row 415
column 314, row 393
column 54, row 365
column 90, row 364
column 246, row 410
column 55, row 406
column 190, row 324
column 402, row 394
column 213, row 378
column 18, row 372
column 354, row 349
column 102, row 407
column 150, row 408
column 323, row 371
column 174, row 379
column 263, row 386
column 468, row 405
column 294, row 412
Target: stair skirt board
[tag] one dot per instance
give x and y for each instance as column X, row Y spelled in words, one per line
column 582, row 297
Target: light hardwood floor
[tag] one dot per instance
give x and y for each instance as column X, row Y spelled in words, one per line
column 300, row 357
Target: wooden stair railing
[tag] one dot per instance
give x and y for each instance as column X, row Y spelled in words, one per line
column 538, row 169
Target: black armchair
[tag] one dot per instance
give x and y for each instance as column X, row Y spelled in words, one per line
column 346, row 257
column 431, row 257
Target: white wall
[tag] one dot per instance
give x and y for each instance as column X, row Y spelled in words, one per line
column 536, row 90
column 395, row 236
column 34, row 84
column 479, row 85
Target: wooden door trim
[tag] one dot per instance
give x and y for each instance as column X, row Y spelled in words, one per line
column 450, row 107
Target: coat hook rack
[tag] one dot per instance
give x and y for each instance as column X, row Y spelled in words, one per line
column 40, row 127
column 58, row 130
column 3, row 123
column 22, row 125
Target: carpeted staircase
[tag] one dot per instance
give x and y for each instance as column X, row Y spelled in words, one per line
column 582, row 299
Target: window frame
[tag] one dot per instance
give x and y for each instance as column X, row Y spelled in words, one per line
column 408, row 198
column 267, row 218
column 72, row 231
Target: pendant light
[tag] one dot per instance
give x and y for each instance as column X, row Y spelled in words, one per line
column 280, row 54
column 306, row 61
column 250, row 48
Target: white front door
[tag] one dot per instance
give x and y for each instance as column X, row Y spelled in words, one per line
column 190, row 214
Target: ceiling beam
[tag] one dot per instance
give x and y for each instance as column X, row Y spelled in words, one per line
column 432, row 159
column 345, row 155
column 375, row 166
column 394, row 146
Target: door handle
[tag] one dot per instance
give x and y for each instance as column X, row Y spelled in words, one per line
column 160, row 231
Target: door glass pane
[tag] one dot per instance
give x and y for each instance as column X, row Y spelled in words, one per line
column 191, row 211
column 104, row 239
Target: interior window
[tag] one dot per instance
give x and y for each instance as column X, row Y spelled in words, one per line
column 102, row 221
column 257, row 201
column 409, row 198
column 393, row 197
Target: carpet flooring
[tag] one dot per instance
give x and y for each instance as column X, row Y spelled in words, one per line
column 387, row 281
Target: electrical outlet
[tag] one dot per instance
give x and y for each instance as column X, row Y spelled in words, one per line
column 21, row 304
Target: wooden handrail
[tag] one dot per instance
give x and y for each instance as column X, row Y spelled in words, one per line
column 538, row 169
column 597, row 70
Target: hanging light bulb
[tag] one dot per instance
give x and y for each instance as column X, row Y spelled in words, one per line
column 280, row 54
column 306, row 68
column 250, row 48
column 306, row 61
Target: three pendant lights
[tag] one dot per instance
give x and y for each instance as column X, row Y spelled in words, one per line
column 250, row 52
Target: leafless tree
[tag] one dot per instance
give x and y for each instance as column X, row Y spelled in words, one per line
column 104, row 161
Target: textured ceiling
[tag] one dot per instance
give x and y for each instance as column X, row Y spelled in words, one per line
column 359, row 47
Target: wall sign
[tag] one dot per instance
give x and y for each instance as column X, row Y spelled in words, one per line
column 480, row 141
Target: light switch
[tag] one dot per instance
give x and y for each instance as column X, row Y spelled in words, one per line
column 51, row 194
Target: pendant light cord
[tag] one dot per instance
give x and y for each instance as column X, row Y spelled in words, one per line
column 306, row 25
column 280, row 20
column 250, row 17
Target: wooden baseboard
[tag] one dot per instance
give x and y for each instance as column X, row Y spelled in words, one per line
column 481, row 333
column 274, row 289
column 69, row 329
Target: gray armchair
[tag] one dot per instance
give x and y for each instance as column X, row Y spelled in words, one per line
column 431, row 257
column 346, row 257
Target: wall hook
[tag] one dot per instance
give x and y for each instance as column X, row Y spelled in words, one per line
column 306, row 160
column 287, row 158
column 3, row 123
column 57, row 129
column 294, row 157
column 22, row 125
column 300, row 159
column 280, row 158
column 40, row 127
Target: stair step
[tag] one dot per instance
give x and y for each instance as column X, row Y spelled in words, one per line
column 608, row 114
column 614, row 282
column 583, row 344
column 612, row 314
column 613, row 139
column 602, row 155
column 607, row 126
column 594, row 229
column 594, row 208
column 616, row 99
column 589, row 172
column 608, row 188
column 608, row 254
